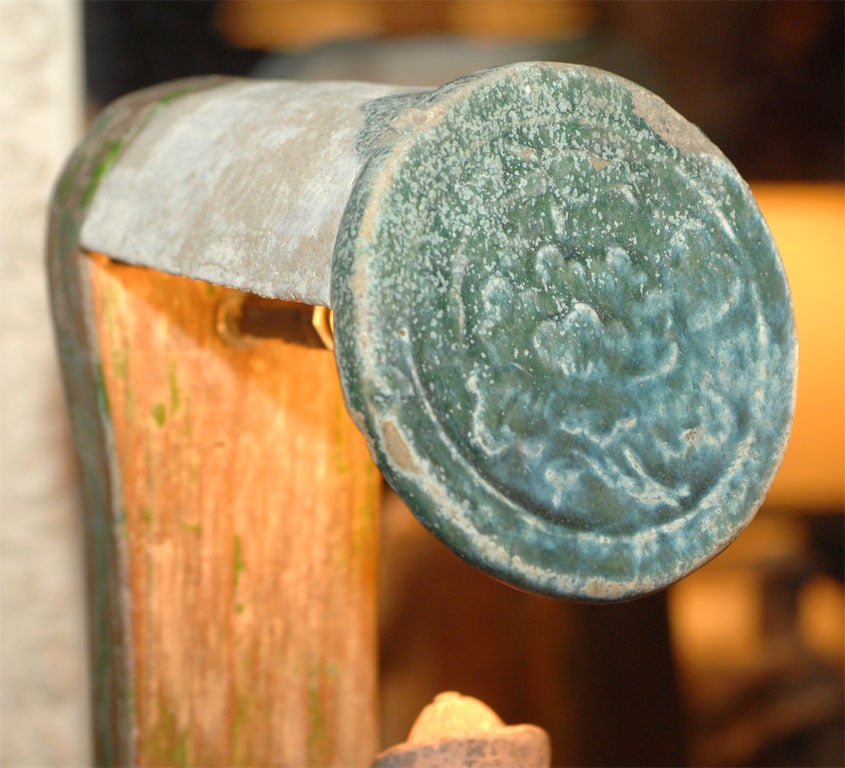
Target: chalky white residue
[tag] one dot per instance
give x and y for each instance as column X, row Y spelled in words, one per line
column 581, row 335
column 242, row 185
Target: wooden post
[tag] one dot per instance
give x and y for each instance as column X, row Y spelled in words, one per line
column 231, row 513
column 246, row 518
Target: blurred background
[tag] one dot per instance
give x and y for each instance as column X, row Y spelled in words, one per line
column 741, row 664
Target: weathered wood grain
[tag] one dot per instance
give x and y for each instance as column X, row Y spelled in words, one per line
column 249, row 508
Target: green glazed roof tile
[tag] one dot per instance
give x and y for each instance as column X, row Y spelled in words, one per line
column 564, row 328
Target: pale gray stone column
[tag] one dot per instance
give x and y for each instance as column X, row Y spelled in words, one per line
column 44, row 699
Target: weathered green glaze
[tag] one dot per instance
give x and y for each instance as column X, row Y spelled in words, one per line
column 561, row 321
column 564, row 328
column 113, row 695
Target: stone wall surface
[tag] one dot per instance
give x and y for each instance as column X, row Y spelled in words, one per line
column 44, row 717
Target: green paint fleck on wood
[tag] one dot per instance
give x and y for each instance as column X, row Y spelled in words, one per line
column 147, row 516
column 159, row 412
column 120, row 363
column 167, row 744
column 175, row 394
column 241, row 744
column 362, row 528
column 194, row 528
column 177, row 94
column 112, row 152
column 317, row 728
column 102, row 393
column 237, row 560
column 131, row 403
column 339, row 452
column 69, row 179
column 182, row 749
column 361, row 540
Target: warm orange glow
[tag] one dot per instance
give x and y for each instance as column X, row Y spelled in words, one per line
column 530, row 19
column 822, row 620
column 297, row 24
column 808, row 224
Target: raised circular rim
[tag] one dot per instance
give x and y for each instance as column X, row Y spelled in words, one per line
column 449, row 495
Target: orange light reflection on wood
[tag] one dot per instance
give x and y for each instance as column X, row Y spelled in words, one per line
column 250, row 510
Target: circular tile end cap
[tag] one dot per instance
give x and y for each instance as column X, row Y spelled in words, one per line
column 565, row 330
